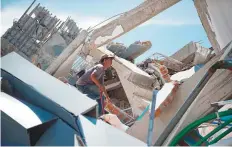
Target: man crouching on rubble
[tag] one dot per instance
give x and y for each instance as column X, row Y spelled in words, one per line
column 92, row 81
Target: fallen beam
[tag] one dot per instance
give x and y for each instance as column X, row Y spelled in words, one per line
column 110, row 31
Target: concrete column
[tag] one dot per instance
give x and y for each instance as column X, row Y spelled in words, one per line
column 215, row 16
column 37, row 6
column 65, row 68
column 67, row 52
column 130, row 20
column 64, row 24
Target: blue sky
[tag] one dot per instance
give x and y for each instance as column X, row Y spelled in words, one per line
column 168, row 31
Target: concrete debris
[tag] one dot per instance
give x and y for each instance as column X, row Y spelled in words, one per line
column 178, row 66
column 202, row 55
column 116, row 48
column 185, row 54
column 163, row 93
column 123, row 116
column 157, row 71
column 128, row 75
column 165, row 96
column 169, row 62
column 192, row 54
column 43, row 39
column 129, row 53
column 216, row 19
column 116, row 31
column 38, row 32
column 183, row 75
column 106, row 33
column 114, row 121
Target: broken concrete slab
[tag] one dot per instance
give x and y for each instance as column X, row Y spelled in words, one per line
column 218, row 88
column 183, row 75
column 216, row 18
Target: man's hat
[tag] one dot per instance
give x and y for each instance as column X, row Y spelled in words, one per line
column 106, row 57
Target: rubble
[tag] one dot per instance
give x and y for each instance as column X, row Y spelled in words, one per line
column 192, row 54
column 183, row 75
column 129, row 53
column 202, row 56
column 40, row 33
column 178, row 66
column 114, row 121
column 186, row 53
column 130, row 86
column 218, row 88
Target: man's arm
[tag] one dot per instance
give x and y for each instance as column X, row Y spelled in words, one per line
column 99, row 85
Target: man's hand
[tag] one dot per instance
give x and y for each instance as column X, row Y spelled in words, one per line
column 103, row 90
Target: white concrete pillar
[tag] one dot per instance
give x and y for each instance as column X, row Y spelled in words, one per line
column 215, row 16
column 67, row 52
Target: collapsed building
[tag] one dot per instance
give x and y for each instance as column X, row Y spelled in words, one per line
column 106, row 33
column 38, row 33
column 120, row 97
column 173, row 79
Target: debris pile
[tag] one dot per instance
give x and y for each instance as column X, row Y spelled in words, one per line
column 113, row 120
column 129, row 53
column 173, row 70
column 181, row 65
column 192, row 54
column 120, row 104
column 38, row 32
column 40, row 37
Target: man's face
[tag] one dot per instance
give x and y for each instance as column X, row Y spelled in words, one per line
column 107, row 62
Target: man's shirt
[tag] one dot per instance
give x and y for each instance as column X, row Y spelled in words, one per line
column 97, row 70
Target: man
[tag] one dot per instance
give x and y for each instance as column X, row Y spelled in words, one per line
column 92, row 81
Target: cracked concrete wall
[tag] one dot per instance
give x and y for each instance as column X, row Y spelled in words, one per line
column 215, row 16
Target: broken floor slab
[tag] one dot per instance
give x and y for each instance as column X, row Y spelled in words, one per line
column 192, row 52
column 183, row 75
